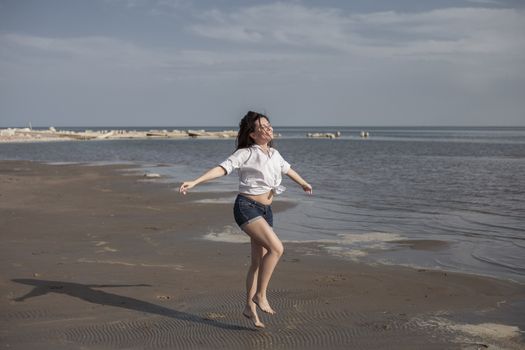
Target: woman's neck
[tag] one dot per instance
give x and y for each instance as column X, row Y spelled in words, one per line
column 264, row 146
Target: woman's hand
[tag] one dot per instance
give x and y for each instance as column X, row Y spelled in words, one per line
column 307, row 188
column 186, row 186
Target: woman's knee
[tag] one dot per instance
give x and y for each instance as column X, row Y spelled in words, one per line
column 278, row 249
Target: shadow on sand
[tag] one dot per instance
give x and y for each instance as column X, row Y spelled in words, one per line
column 87, row 293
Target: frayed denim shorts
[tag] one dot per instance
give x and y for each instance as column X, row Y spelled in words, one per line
column 246, row 210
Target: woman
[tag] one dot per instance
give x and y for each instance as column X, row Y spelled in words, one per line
column 260, row 168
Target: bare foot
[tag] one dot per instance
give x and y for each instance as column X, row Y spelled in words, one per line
column 263, row 305
column 252, row 316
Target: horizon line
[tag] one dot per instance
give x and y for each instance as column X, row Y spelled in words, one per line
column 275, row 126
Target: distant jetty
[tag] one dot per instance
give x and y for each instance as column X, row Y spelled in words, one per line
column 52, row 134
column 324, row 135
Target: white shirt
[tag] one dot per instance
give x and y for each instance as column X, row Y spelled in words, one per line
column 258, row 171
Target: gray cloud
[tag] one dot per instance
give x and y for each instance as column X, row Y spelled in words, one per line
column 451, row 31
column 445, row 66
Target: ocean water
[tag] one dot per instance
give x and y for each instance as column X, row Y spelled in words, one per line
column 378, row 200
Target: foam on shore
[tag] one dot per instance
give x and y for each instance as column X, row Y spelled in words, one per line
column 351, row 246
column 229, row 234
column 221, row 200
column 489, row 335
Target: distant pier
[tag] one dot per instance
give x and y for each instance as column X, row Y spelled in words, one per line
column 53, row 134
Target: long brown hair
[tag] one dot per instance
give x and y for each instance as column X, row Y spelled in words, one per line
column 248, row 125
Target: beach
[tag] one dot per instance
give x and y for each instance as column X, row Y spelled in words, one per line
column 94, row 257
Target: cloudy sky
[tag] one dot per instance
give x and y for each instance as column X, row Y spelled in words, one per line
column 198, row 63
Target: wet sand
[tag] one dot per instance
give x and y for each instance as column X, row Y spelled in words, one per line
column 92, row 258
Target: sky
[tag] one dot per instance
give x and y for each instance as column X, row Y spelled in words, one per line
column 303, row 63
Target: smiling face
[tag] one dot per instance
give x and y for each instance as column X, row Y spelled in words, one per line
column 263, row 132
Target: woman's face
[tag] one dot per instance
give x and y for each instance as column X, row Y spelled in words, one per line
column 263, row 132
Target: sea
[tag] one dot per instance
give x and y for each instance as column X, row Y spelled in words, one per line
column 446, row 198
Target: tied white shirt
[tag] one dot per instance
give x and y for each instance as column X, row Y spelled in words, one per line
column 259, row 172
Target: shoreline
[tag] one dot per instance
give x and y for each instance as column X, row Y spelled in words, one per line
column 127, row 262
column 145, row 172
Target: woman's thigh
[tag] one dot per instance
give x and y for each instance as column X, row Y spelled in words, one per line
column 263, row 235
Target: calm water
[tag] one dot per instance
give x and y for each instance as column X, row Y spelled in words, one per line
column 463, row 186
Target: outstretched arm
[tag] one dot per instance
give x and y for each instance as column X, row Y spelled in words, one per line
column 207, row 176
column 292, row 174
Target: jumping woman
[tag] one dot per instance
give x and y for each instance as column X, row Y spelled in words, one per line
column 260, row 168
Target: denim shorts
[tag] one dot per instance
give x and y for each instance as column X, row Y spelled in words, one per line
column 246, row 210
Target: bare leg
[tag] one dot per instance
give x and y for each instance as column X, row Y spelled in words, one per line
column 250, row 310
column 263, row 235
column 258, row 252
